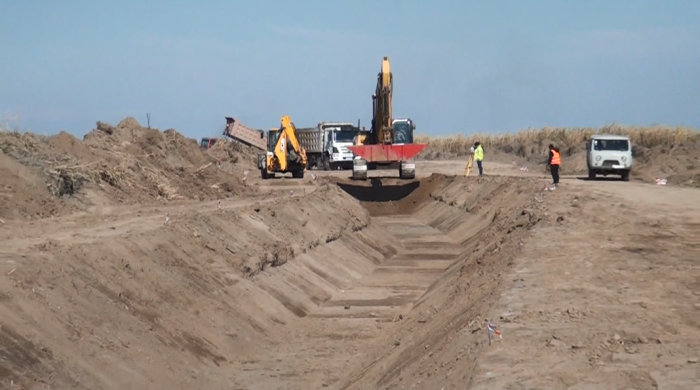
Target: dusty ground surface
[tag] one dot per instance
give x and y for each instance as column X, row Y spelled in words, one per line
column 678, row 164
column 327, row 283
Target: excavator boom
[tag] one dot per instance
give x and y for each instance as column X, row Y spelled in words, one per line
column 381, row 123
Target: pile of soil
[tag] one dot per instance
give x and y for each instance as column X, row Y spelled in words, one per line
column 679, row 165
column 123, row 164
column 236, row 157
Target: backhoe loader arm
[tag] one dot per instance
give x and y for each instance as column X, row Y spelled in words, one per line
column 288, row 149
column 290, row 132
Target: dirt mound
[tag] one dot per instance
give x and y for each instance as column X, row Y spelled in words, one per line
column 238, row 157
column 125, row 164
column 679, row 164
column 22, row 193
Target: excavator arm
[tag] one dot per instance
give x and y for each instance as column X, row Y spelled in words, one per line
column 382, row 107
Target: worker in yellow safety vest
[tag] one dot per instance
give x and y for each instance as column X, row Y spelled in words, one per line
column 479, row 157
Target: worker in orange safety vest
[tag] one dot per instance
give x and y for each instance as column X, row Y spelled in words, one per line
column 554, row 162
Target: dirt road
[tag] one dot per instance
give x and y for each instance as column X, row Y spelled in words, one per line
column 377, row 285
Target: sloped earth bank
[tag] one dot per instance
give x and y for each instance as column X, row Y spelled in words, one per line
column 296, row 293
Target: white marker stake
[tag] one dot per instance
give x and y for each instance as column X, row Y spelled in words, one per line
column 488, row 331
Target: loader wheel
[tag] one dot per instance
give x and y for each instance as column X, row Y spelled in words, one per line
column 298, row 174
column 265, row 174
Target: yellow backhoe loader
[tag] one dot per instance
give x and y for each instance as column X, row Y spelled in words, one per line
column 284, row 154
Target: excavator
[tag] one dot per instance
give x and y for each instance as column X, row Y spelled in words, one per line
column 284, row 154
column 390, row 140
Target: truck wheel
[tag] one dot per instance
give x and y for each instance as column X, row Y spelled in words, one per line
column 625, row 176
column 591, row 174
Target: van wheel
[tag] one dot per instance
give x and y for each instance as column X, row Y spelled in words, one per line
column 591, row 174
column 626, row 176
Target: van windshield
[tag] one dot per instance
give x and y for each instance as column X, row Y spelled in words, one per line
column 617, row 145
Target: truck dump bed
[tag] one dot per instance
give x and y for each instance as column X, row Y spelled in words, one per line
column 245, row 135
column 311, row 139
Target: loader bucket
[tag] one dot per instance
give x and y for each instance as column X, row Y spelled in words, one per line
column 387, row 153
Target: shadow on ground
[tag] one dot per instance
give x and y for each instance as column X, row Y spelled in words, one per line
column 378, row 191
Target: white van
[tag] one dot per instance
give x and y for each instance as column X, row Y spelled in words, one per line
column 609, row 154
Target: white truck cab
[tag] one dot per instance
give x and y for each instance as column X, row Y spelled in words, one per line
column 609, row 154
column 338, row 137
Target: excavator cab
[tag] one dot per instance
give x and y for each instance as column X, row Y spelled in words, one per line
column 402, row 131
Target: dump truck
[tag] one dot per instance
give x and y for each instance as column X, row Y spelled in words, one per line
column 327, row 145
column 390, row 139
column 244, row 134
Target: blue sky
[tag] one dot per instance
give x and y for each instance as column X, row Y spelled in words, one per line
column 459, row 66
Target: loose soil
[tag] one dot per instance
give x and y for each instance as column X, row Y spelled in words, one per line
column 331, row 283
column 126, row 164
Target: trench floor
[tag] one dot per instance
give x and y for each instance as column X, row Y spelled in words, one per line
column 424, row 254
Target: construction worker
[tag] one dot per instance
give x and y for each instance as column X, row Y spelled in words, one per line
column 479, row 157
column 554, row 162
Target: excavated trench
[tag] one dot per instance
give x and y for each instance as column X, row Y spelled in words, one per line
column 427, row 265
column 356, row 285
column 423, row 252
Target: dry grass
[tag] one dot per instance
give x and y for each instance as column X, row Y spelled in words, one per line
column 526, row 143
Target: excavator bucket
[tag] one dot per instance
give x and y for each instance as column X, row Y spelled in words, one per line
column 387, row 153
